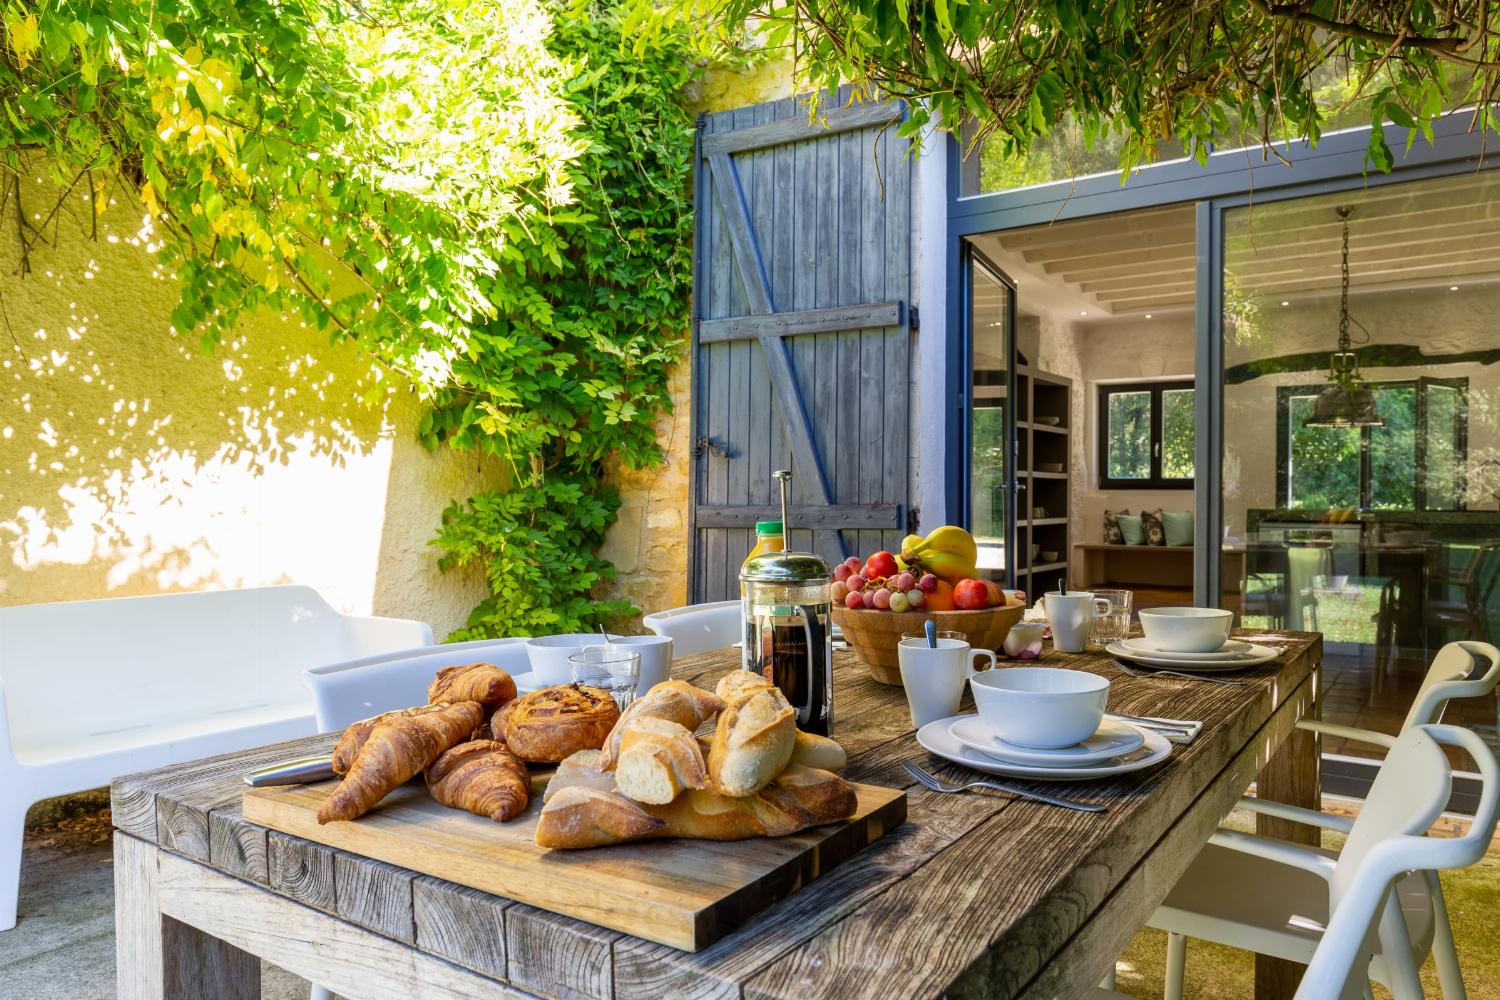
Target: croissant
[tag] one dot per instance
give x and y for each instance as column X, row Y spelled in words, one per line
column 483, row 777
column 397, row 748
column 354, row 737
column 481, row 682
column 674, row 700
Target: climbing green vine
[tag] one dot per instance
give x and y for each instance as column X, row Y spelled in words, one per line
column 490, row 196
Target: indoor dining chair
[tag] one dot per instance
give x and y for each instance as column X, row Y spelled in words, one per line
column 698, row 628
column 1275, row 898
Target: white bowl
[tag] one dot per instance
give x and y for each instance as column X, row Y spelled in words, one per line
column 1040, row 707
column 1186, row 630
column 549, row 654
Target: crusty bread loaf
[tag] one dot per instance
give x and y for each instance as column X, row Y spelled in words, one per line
column 754, row 737
column 579, row 813
column 552, row 723
column 658, row 760
column 811, row 750
column 581, row 769
column 674, row 700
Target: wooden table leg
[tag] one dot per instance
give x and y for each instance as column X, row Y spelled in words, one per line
column 158, row 958
column 1293, row 776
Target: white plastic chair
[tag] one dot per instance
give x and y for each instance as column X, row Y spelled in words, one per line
column 698, row 628
column 90, row 690
column 344, row 693
column 1462, row 669
column 1274, row 897
column 1385, row 846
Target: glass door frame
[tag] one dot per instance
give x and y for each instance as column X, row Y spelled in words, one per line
column 971, row 258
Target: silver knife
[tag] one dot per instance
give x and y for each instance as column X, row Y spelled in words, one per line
column 293, row 772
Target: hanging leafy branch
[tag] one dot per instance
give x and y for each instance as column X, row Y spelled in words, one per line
column 491, row 196
column 1203, row 73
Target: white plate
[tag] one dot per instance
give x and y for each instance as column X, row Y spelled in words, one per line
column 1114, row 739
column 1253, row 658
column 936, row 738
column 1229, row 651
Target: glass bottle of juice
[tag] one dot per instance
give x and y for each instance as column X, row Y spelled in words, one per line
column 770, row 536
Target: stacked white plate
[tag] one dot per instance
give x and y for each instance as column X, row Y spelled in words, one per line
column 1235, row 654
column 1115, row 748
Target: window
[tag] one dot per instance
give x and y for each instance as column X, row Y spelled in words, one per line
column 1146, row 437
column 1414, row 462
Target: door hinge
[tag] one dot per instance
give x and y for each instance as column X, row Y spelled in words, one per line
column 913, row 318
column 709, row 444
column 913, row 518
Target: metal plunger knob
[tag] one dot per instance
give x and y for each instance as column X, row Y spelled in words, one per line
column 784, row 476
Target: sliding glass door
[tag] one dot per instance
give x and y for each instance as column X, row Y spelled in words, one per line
column 990, row 320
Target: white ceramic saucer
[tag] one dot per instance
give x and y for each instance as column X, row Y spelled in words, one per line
column 1253, row 657
column 1232, row 649
column 1114, row 739
column 527, row 682
column 936, row 738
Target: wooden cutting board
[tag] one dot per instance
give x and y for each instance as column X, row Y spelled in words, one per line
column 682, row 893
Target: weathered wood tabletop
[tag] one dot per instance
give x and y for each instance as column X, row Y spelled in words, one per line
column 976, row 895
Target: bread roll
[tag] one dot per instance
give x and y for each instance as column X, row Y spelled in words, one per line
column 674, row 700
column 481, row 682
column 658, row 760
column 549, row 725
column 754, row 738
column 811, row 750
column 738, row 684
column 482, row 777
column 580, row 814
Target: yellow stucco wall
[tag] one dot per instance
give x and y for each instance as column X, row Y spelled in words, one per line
column 133, row 463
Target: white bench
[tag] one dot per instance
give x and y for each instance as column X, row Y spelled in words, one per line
column 94, row 689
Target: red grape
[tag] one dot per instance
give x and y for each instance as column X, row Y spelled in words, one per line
column 928, row 583
column 841, row 572
column 916, row 598
column 854, row 564
column 855, row 581
column 883, row 599
column 905, row 581
column 838, row 591
column 853, row 600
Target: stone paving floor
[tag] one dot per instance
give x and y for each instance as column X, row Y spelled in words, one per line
column 63, row 948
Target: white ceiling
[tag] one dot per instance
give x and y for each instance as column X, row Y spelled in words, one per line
column 1127, row 265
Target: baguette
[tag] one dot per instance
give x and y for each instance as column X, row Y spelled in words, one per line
column 579, row 813
column 673, row 700
column 809, row 750
column 754, row 738
column 658, row 760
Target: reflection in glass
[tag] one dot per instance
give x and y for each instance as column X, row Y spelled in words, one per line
column 991, row 312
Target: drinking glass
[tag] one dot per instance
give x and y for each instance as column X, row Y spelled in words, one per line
column 615, row 669
column 1111, row 621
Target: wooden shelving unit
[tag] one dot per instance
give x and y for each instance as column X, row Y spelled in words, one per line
column 1042, row 394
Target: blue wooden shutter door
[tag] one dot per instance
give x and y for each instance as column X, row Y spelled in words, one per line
column 801, row 335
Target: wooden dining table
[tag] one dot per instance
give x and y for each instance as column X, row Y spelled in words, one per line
column 976, row 895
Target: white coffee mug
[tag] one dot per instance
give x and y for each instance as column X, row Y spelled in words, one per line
column 1069, row 615
column 934, row 678
column 549, row 654
column 656, row 657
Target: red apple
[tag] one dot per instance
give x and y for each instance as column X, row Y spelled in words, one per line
column 879, row 565
column 970, row 595
column 996, row 595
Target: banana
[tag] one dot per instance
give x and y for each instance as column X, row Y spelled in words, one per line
column 950, row 539
column 948, row 566
column 909, row 544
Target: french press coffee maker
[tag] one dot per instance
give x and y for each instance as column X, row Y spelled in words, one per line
column 787, row 636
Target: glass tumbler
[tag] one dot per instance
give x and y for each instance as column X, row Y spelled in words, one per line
column 1111, row 621
column 616, row 669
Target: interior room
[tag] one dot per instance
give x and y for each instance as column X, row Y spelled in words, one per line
column 1379, row 529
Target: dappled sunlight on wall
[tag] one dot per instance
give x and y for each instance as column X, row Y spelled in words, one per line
column 133, row 462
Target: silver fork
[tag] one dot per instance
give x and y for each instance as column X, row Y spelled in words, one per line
column 1134, row 672
column 936, row 784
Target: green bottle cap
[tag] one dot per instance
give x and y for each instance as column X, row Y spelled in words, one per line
column 768, row 528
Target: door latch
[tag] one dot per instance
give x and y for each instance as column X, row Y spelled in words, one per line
column 709, row 444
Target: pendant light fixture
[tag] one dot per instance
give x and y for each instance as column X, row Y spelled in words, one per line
column 1346, row 401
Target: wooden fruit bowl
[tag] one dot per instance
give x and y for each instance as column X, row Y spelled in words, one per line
column 874, row 635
